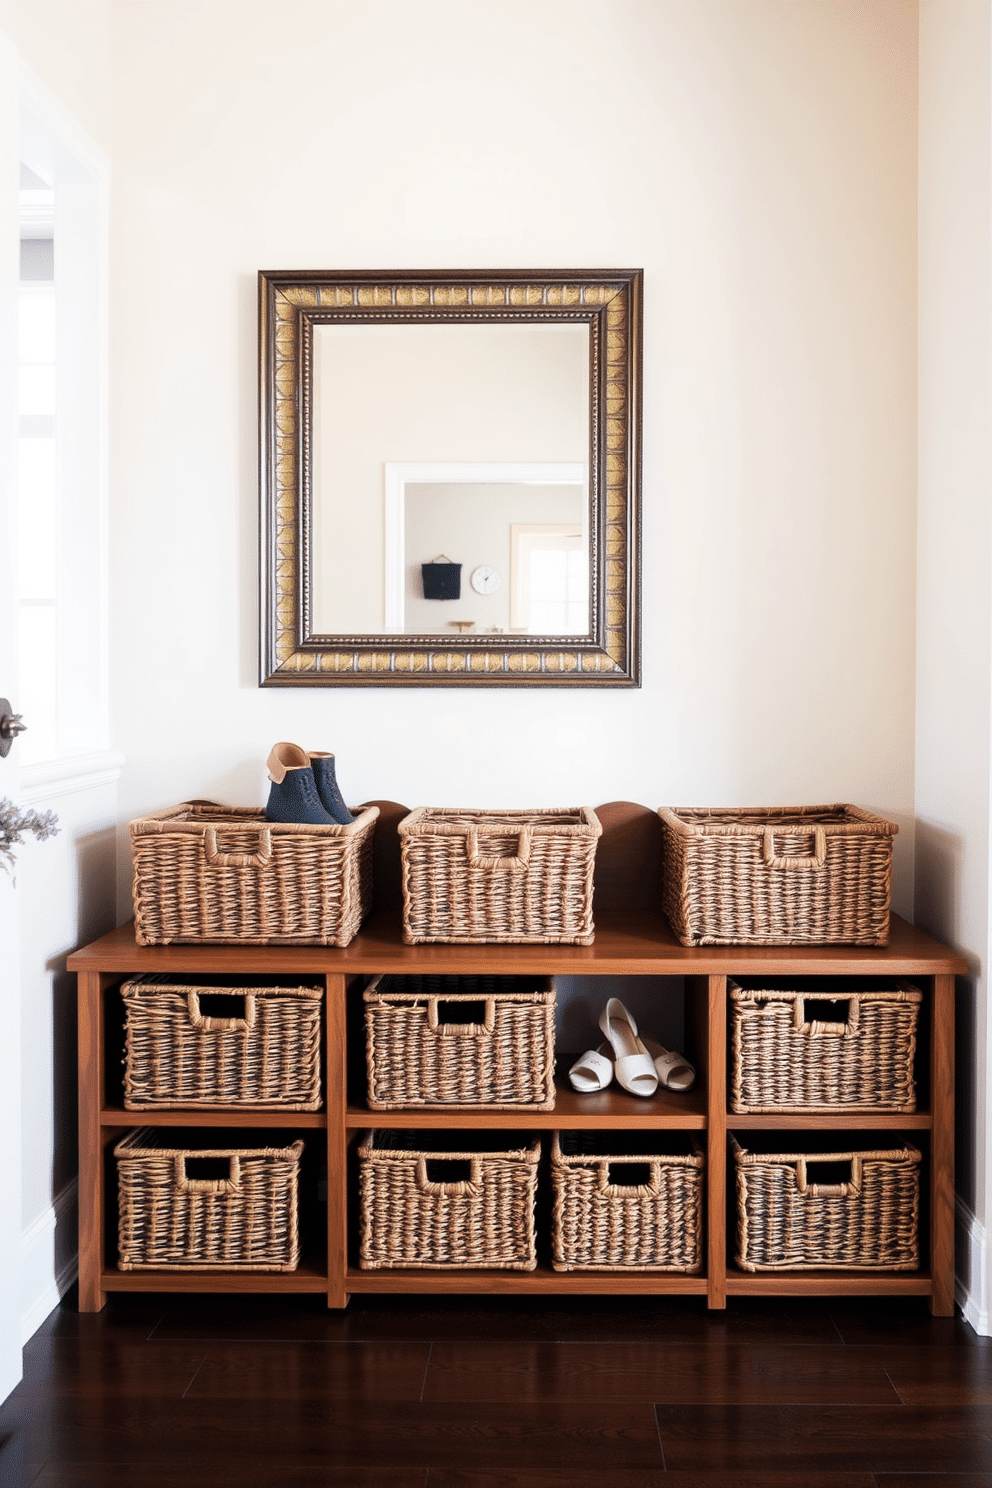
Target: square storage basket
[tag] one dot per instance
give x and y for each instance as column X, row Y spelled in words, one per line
column 205, row 873
column 239, row 1215
column 796, row 875
column 622, row 1202
column 460, row 1041
column 447, row 1200
column 498, row 876
column 214, row 1045
column 827, row 1210
column 823, row 1047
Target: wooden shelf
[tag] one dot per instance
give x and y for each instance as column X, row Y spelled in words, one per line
column 831, row 1121
column 224, row 1116
column 572, row 1112
column 828, row 1283
column 306, row 1278
column 627, row 944
column 610, row 1109
column 543, row 1280
column 631, row 940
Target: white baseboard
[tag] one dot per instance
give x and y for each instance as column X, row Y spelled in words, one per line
column 49, row 1259
column 970, row 1288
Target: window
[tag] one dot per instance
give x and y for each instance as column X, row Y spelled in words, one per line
column 549, row 579
column 38, row 484
column 60, row 497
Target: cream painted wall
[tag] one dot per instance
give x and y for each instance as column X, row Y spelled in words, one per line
column 757, row 157
column 954, row 624
column 67, row 43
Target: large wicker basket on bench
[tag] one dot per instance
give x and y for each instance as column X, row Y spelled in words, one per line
column 797, row 875
column 225, row 873
column 498, row 876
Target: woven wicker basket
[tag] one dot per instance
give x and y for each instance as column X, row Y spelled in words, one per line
column 173, row 1220
column 788, row 1053
column 447, row 1200
column 498, row 876
column 622, row 1203
column 421, row 1050
column 802, row 875
column 224, row 873
column 823, row 1210
column 259, row 1047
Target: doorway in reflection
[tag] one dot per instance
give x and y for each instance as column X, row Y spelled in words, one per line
column 521, row 542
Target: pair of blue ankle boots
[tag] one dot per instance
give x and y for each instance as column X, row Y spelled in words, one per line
column 304, row 788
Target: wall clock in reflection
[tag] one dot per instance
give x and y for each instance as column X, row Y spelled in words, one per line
column 485, row 579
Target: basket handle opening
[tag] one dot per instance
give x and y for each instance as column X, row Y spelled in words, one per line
column 440, row 1017
column 634, row 1178
column 507, row 863
column 832, row 1022
column 832, row 1177
column 792, row 861
column 188, row 1165
column 257, row 859
column 210, row 1023
column 456, row 1176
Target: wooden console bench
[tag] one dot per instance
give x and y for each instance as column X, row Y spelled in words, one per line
column 630, row 941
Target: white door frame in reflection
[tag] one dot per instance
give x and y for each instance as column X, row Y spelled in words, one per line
column 398, row 475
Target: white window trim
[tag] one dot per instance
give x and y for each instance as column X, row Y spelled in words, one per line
column 54, row 146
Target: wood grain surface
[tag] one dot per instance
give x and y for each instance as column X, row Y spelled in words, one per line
column 625, row 1392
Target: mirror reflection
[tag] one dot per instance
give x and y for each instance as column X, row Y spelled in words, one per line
column 466, row 443
column 500, row 557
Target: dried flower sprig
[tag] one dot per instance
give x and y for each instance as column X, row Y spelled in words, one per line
column 14, row 823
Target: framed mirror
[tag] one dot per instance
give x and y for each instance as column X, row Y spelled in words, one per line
column 450, row 478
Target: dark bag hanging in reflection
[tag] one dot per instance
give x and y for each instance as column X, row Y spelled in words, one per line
column 442, row 579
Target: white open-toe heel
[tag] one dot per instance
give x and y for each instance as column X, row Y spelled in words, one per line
column 633, row 1065
column 593, row 1070
column 674, row 1070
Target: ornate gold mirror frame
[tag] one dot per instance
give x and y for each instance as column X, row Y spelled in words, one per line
column 291, row 305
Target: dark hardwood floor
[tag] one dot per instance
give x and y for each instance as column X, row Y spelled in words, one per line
column 179, row 1392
